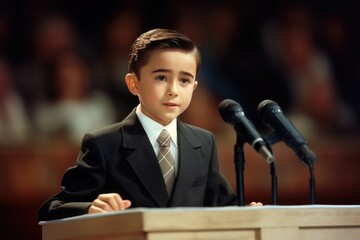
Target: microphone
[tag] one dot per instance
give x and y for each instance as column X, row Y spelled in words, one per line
column 232, row 113
column 271, row 115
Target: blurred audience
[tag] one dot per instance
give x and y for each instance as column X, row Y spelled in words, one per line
column 220, row 50
column 74, row 107
column 51, row 35
column 190, row 18
column 312, row 76
column 316, row 106
column 119, row 33
column 14, row 124
column 337, row 41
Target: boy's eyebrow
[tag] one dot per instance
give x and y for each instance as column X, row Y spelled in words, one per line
column 163, row 70
column 187, row 74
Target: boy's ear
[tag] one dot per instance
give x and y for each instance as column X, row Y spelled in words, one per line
column 132, row 83
column 195, row 85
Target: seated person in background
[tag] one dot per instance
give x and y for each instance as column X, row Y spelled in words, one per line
column 14, row 122
column 118, row 166
column 74, row 107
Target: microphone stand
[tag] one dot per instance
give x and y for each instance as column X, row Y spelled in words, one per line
column 274, row 182
column 239, row 161
column 312, row 182
column 271, row 139
column 274, row 189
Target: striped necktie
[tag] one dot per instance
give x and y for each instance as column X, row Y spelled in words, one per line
column 166, row 161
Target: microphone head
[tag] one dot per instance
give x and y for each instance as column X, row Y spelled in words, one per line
column 227, row 108
column 265, row 106
column 271, row 115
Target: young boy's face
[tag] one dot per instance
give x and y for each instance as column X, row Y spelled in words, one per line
column 166, row 84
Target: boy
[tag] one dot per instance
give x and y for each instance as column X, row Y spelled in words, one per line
column 118, row 165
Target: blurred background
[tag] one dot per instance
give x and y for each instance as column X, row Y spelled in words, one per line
column 62, row 65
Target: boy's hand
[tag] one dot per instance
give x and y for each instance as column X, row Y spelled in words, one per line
column 109, row 202
column 252, row 204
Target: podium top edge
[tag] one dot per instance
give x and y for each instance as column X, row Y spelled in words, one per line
column 203, row 209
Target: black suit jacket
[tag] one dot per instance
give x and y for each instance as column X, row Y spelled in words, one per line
column 120, row 159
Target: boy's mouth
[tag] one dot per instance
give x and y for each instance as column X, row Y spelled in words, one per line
column 170, row 104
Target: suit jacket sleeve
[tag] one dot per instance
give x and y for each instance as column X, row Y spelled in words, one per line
column 219, row 191
column 81, row 184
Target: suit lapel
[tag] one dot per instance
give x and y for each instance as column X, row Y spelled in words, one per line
column 189, row 164
column 143, row 160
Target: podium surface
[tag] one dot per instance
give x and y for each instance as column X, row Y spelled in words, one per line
column 249, row 223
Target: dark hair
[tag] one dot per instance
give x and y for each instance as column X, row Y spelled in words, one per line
column 157, row 39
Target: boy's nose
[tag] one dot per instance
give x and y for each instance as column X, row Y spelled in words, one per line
column 172, row 89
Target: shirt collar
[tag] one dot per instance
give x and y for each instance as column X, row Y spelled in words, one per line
column 153, row 128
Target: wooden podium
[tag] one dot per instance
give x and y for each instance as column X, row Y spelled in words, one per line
column 253, row 223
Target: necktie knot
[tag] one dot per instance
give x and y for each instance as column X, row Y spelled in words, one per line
column 164, row 139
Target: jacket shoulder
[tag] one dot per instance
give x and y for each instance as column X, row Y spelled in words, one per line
column 196, row 135
column 111, row 130
column 194, row 129
column 114, row 128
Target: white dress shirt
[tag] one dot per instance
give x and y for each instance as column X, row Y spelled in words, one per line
column 153, row 130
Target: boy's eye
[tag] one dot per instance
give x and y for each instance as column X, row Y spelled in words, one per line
column 185, row 81
column 161, row 78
